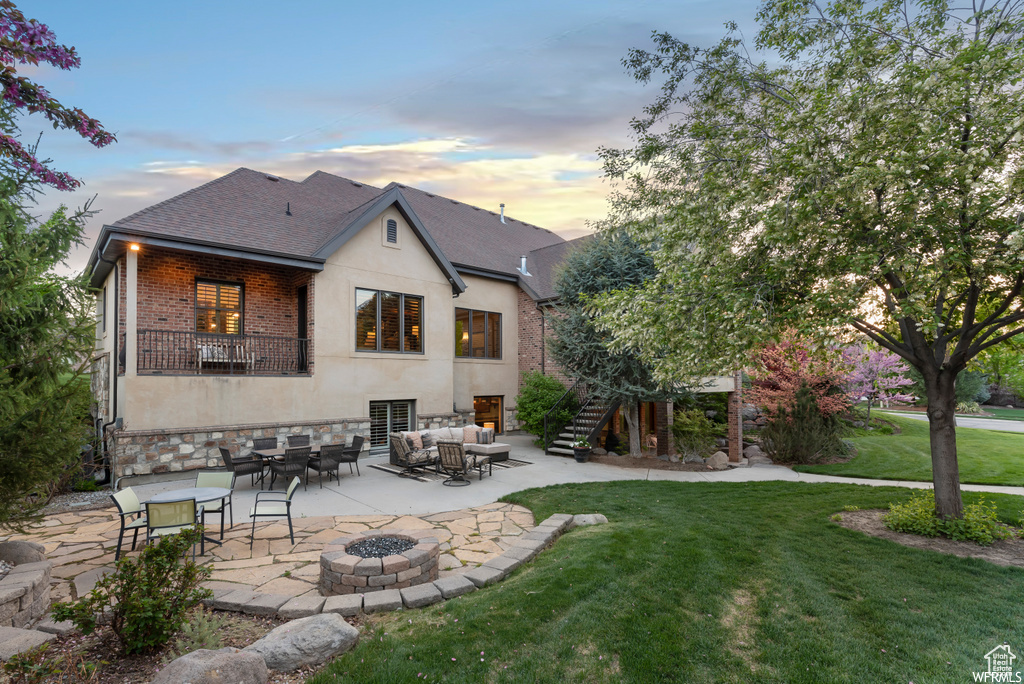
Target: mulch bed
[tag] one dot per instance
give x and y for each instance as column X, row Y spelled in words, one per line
column 101, row 648
column 647, row 462
column 1007, row 552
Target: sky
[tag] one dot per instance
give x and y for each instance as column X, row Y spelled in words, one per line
column 484, row 102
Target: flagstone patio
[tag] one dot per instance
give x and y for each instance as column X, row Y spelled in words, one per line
column 81, row 546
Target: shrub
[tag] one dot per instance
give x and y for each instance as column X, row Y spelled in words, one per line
column 968, row 407
column 538, row 394
column 693, row 432
column 34, row 666
column 917, row 516
column 146, row 599
column 202, row 631
column 802, row 434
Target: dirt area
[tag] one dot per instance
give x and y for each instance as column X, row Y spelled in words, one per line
column 1008, row 552
column 648, row 462
column 101, row 648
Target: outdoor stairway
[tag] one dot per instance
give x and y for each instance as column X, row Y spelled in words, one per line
column 593, row 416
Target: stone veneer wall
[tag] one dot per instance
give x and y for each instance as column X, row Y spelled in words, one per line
column 144, row 452
column 436, row 421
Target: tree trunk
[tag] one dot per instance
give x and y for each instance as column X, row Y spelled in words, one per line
column 867, row 423
column 939, row 388
column 633, row 427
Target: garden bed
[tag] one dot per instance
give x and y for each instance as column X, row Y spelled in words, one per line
column 647, row 462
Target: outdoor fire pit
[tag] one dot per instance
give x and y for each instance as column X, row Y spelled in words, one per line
column 377, row 560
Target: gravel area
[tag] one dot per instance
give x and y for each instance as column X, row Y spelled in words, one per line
column 378, row 547
column 78, row 501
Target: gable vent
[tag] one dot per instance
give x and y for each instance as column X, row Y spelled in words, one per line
column 392, row 231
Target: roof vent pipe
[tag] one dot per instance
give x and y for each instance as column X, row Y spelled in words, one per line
column 503, row 220
column 288, row 209
column 522, row 268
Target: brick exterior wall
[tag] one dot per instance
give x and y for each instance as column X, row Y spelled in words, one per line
column 144, row 452
column 533, row 331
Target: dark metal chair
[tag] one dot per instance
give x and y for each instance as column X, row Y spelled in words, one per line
column 298, row 440
column 127, row 503
column 452, row 461
column 261, row 443
column 351, row 453
column 408, row 459
column 327, row 462
column 243, row 466
column 294, row 464
column 274, row 507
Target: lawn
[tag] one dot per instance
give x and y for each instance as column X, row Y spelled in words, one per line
column 708, row 582
column 985, row 456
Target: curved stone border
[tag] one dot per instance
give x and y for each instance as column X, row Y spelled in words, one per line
column 342, row 573
column 494, row 570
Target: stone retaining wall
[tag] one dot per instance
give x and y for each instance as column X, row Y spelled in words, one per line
column 142, row 452
column 25, row 594
column 342, row 573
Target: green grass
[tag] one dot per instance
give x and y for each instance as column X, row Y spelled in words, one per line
column 708, row 583
column 985, row 456
column 1003, row 413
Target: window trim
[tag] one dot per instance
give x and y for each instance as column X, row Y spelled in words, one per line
column 401, row 322
column 487, row 334
column 241, row 303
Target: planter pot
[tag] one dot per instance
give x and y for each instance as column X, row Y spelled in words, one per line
column 581, row 455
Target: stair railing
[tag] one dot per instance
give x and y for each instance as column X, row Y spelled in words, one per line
column 578, row 395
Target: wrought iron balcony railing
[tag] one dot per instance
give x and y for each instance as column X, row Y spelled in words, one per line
column 171, row 352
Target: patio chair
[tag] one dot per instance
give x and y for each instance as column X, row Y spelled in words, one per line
column 452, row 461
column 225, row 479
column 261, row 443
column 243, row 466
column 351, row 453
column 407, row 458
column 128, row 505
column 294, row 464
column 298, row 440
column 172, row 517
column 327, row 462
column 274, row 506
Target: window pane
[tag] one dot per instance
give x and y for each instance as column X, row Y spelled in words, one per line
column 230, row 297
column 206, row 320
column 366, row 319
column 206, row 295
column 493, row 336
column 390, row 323
column 462, row 332
column 477, row 334
column 413, row 324
column 230, row 322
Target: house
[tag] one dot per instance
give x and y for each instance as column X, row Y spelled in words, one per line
column 255, row 305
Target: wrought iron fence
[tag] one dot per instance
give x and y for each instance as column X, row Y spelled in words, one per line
column 179, row 352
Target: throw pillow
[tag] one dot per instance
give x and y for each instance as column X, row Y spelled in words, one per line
column 486, row 436
column 427, row 439
column 469, row 434
column 443, row 433
column 457, row 434
column 413, row 439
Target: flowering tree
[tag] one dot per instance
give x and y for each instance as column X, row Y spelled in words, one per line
column 877, row 375
column 26, row 41
column 783, row 368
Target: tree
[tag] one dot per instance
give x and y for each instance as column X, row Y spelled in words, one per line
column 26, row 41
column 581, row 349
column 784, row 368
column 866, row 178
column 876, row 375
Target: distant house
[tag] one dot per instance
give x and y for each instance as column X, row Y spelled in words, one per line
column 255, row 305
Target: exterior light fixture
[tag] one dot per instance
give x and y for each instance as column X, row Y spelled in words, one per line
column 134, row 247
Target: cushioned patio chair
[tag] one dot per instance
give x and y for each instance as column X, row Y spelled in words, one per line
column 326, row 462
column 273, row 505
column 451, row 459
column 172, row 517
column 127, row 502
column 243, row 466
column 224, row 479
column 298, row 440
column 351, row 453
column 294, row 464
column 407, row 458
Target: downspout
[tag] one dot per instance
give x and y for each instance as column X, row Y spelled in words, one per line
column 543, row 342
column 107, row 470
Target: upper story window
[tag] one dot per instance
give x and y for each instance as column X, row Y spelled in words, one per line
column 389, row 321
column 477, row 334
column 219, row 307
column 392, row 231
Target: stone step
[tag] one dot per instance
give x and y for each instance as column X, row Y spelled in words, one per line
column 560, row 450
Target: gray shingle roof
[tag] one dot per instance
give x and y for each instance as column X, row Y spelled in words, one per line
column 543, row 265
column 246, row 210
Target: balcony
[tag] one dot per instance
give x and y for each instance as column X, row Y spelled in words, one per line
column 171, row 352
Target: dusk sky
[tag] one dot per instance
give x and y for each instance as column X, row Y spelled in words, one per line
column 483, row 102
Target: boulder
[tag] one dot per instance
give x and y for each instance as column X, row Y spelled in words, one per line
column 750, row 412
column 753, row 451
column 22, row 552
column 718, row 461
column 612, row 453
column 693, row 458
column 306, row 641
column 587, row 519
column 598, row 451
column 223, row 666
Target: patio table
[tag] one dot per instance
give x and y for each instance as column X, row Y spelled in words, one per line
column 200, row 494
column 278, row 453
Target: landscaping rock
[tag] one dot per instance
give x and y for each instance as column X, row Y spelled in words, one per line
column 14, row 641
column 215, row 667
column 307, row 641
column 50, row 626
column 718, row 461
column 693, row 458
column 587, row 519
column 21, row 552
column 753, row 451
column 598, row 451
column 759, row 461
column 379, row 602
column 453, row 586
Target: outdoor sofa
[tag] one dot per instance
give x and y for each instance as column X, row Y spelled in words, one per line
column 482, row 442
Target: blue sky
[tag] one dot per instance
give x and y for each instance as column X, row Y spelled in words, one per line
column 480, row 101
